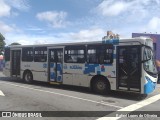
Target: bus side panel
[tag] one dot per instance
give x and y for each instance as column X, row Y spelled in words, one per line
column 74, row 75
column 67, row 79
column 113, row 83
column 81, row 80
column 106, row 70
column 81, row 74
column 38, row 69
column 6, row 69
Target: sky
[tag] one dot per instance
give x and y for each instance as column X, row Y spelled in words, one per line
column 61, row 21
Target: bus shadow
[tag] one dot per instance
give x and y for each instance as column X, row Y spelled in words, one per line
column 113, row 94
column 127, row 95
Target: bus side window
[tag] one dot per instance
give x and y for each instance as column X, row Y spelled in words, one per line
column 101, row 59
column 80, row 60
column 69, row 59
column 52, row 56
column 27, row 54
column 40, row 54
column 101, row 54
column 91, row 55
column 75, row 54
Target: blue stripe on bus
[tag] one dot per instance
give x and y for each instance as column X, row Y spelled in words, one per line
column 98, row 72
column 114, row 56
column 59, row 68
column 150, row 86
column 52, row 75
column 59, row 78
column 90, row 68
column 103, row 69
column 51, row 65
column 45, row 65
column 112, row 41
column 59, row 72
column 95, row 68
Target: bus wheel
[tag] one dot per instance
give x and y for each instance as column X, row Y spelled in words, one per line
column 28, row 77
column 101, row 86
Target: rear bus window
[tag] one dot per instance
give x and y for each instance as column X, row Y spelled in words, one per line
column 7, row 54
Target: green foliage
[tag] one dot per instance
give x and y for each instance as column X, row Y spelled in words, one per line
column 15, row 43
column 2, row 44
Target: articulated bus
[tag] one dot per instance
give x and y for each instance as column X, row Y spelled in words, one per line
column 114, row 64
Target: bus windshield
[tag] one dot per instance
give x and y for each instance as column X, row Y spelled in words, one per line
column 149, row 64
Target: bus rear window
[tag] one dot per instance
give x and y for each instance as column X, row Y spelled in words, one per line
column 7, row 54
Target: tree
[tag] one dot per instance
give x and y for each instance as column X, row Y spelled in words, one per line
column 15, row 43
column 2, row 44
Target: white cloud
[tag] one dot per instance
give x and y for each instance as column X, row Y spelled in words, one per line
column 158, row 2
column 4, row 28
column 21, row 5
column 110, row 8
column 14, row 14
column 152, row 26
column 94, row 34
column 154, row 23
column 34, row 28
column 4, row 9
column 28, row 39
column 137, row 8
column 54, row 18
column 128, row 16
column 23, row 39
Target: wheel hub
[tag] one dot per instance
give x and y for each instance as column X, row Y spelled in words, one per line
column 101, row 86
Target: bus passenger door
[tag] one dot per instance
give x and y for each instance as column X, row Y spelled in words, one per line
column 15, row 63
column 129, row 68
column 55, row 63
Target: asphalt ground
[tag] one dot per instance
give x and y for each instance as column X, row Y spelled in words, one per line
column 70, row 102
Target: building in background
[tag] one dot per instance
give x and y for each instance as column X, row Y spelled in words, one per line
column 156, row 45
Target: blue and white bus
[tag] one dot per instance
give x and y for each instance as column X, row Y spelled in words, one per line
column 115, row 64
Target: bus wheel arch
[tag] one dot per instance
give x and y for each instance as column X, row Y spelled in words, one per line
column 28, row 76
column 100, row 84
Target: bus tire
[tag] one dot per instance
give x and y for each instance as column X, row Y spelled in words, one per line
column 101, row 85
column 28, row 77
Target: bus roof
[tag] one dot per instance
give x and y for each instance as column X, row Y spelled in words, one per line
column 140, row 40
